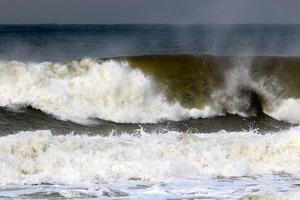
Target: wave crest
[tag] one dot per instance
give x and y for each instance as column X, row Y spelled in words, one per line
column 87, row 89
column 150, row 89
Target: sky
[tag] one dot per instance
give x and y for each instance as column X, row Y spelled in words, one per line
column 149, row 11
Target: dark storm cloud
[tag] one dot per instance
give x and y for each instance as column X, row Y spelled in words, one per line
column 149, row 11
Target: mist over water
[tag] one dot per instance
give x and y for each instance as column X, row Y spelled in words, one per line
column 68, row 42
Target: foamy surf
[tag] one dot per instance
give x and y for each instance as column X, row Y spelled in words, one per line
column 151, row 165
column 86, row 89
column 256, row 188
column 287, row 110
column 125, row 91
column 40, row 157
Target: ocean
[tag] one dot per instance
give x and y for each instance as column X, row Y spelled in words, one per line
column 150, row 111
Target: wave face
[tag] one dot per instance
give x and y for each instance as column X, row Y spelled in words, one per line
column 150, row 89
column 40, row 157
column 237, row 85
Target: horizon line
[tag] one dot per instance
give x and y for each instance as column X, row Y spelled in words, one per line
column 179, row 24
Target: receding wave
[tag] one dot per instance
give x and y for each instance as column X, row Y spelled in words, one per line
column 41, row 157
column 150, row 89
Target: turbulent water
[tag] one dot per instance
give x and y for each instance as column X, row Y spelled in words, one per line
column 150, row 112
column 151, row 89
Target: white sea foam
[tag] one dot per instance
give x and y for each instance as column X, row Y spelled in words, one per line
column 245, row 188
column 287, row 110
column 86, row 89
column 39, row 157
column 112, row 90
column 269, row 89
column 273, row 196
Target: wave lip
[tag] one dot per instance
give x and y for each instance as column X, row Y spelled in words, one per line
column 40, row 157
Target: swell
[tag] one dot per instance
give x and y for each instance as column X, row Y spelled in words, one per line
column 151, row 89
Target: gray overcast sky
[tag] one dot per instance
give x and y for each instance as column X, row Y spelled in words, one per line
column 149, row 11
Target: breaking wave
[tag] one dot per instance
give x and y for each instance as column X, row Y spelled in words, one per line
column 41, row 157
column 86, row 89
column 150, row 89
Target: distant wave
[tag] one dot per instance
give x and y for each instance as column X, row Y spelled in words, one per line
column 150, row 89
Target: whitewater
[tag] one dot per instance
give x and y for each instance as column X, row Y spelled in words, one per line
column 172, row 158
column 112, row 90
column 86, row 89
